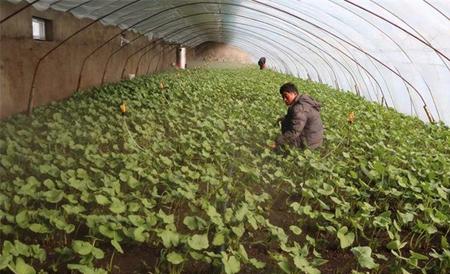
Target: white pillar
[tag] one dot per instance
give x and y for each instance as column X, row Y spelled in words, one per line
column 181, row 57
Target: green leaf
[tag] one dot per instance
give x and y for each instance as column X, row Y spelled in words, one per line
column 295, row 229
column 326, row 190
column 196, row 255
column 139, row 234
column 23, row 268
column 252, row 222
column 117, row 246
column 175, row 258
column 406, row 217
column 98, row 253
column 167, row 218
column 106, row 231
column 216, row 218
column 219, row 238
column 22, row 219
column 134, row 206
column 4, row 260
column 231, row 264
column 86, row 269
column 101, row 199
column 417, row 256
column 363, row 253
column 82, row 247
column 49, row 184
column 257, row 264
column 285, row 267
column 346, row 239
column 444, row 242
column 39, row 228
column 21, row 248
column 136, row 220
column 166, row 161
column 198, row 242
column 395, row 244
column 7, row 229
column 238, row 230
column 190, row 222
column 302, row 264
column 241, row 212
column 117, row 206
column 170, row 238
column 54, row 196
column 242, row 252
column 132, row 182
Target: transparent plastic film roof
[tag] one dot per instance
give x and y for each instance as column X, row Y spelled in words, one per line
column 394, row 52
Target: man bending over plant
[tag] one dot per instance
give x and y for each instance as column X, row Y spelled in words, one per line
column 302, row 126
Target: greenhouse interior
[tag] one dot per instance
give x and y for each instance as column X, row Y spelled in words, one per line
column 251, row 136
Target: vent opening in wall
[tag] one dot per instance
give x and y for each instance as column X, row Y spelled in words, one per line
column 42, row 29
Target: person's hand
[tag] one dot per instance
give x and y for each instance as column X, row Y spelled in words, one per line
column 279, row 120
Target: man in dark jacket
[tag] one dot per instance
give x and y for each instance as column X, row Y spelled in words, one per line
column 262, row 62
column 302, row 126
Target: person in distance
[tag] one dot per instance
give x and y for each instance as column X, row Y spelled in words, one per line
column 262, row 63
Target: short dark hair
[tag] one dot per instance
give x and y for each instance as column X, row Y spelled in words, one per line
column 262, row 61
column 288, row 87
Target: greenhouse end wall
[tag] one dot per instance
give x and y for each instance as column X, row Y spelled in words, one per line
column 58, row 74
column 221, row 52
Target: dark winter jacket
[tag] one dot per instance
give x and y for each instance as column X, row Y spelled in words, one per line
column 302, row 125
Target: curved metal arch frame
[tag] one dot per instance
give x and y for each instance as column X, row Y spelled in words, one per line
column 431, row 119
column 218, row 3
column 51, row 4
column 348, row 38
column 138, row 1
column 133, row 3
column 390, row 69
column 326, row 42
column 140, row 21
column 259, row 11
column 197, row 3
column 276, row 57
column 14, row 13
column 393, row 41
column 166, row 37
column 140, row 36
column 247, row 43
column 31, row 94
column 135, row 24
column 438, row 10
column 282, row 48
column 303, row 45
column 282, row 35
column 274, row 45
column 422, row 40
column 253, row 35
column 374, row 65
column 144, row 47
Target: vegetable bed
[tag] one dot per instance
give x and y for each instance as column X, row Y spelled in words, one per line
column 184, row 182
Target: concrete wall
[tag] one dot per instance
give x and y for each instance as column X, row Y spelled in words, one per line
column 58, row 74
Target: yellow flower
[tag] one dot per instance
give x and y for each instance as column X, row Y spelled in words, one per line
column 351, row 118
column 123, row 108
